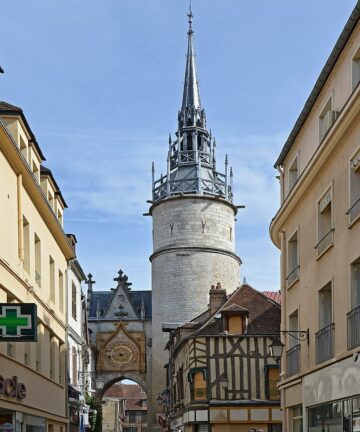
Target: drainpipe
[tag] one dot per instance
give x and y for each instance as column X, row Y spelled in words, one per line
column 20, row 218
column 283, row 323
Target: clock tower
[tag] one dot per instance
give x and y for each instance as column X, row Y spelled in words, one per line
column 193, row 219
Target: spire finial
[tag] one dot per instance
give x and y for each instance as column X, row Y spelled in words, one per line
column 190, row 16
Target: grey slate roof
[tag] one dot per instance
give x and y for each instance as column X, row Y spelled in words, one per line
column 103, row 298
column 8, row 109
column 324, row 75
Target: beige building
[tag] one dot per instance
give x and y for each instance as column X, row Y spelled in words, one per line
column 317, row 229
column 34, row 252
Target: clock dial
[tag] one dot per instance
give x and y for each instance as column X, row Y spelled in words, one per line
column 121, row 354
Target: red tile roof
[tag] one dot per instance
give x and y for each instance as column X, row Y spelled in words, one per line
column 273, row 295
column 132, row 393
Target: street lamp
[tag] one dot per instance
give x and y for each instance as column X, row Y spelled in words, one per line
column 99, row 382
column 276, row 349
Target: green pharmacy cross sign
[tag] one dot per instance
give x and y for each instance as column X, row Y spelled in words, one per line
column 18, row 322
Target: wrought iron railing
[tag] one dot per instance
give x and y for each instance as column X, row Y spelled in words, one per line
column 293, row 275
column 190, row 157
column 215, row 187
column 325, row 241
column 293, row 360
column 354, row 211
column 324, row 342
column 353, row 328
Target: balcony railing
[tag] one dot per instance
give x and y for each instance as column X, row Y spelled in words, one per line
column 293, row 276
column 325, row 343
column 354, row 211
column 353, row 328
column 293, row 360
column 325, row 241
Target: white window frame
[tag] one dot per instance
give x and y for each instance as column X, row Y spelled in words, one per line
column 354, row 167
column 291, row 281
column 328, row 191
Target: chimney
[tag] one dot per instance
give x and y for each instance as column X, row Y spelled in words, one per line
column 217, row 296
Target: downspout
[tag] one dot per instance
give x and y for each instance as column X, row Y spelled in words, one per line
column 283, row 324
column 20, row 218
column 67, row 362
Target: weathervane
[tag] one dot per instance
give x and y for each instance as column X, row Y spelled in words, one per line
column 190, row 16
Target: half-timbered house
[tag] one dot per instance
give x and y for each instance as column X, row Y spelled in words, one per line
column 220, row 373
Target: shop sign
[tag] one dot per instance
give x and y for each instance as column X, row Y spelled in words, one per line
column 18, row 322
column 12, row 388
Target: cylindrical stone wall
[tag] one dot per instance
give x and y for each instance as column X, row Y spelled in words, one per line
column 194, row 248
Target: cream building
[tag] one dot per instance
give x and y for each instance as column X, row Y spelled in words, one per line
column 317, row 229
column 34, row 252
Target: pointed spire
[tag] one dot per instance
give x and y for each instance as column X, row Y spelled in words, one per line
column 191, row 95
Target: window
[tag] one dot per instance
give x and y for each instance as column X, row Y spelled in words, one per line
column 62, row 358
column 51, row 200
column 35, row 170
column 293, row 173
column 325, row 228
column 293, row 353
column 74, row 366
column 53, row 346
column 235, row 324
column 271, row 384
column 26, row 236
column 324, row 337
column 60, row 217
column 61, row 291
column 297, row 419
column 327, row 417
column 197, row 379
column 52, row 279
column 23, row 148
column 327, row 119
column 353, row 317
column 37, row 243
column 354, row 210
column 293, row 260
column 73, row 301
column 38, row 347
column 181, row 382
column 356, row 69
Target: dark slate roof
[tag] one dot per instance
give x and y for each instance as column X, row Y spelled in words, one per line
column 324, row 75
column 136, row 297
column 103, row 298
column 44, row 171
column 8, row 109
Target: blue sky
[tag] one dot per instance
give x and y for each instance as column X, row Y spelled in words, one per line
column 100, row 83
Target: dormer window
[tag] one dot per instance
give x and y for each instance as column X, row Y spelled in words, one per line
column 35, row 170
column 293, row 173
column 235, row 319
column 51, row 200
column 23, row 149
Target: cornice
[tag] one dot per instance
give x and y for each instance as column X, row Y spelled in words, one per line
column 190, row 249
column 219, row 200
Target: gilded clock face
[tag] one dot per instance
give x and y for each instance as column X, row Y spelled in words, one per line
column 121, row 354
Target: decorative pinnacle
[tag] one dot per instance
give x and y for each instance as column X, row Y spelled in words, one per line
column 190, row 16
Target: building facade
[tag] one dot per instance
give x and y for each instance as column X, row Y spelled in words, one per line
column 193, row 219
column 125, row 409
column 317, row 230
column 221, row 377
column 34, row 252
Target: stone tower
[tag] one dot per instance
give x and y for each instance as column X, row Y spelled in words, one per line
column 193, row 225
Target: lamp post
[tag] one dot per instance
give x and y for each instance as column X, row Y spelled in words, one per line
column 276, row 349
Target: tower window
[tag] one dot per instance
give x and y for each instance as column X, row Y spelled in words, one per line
column 189, row 142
